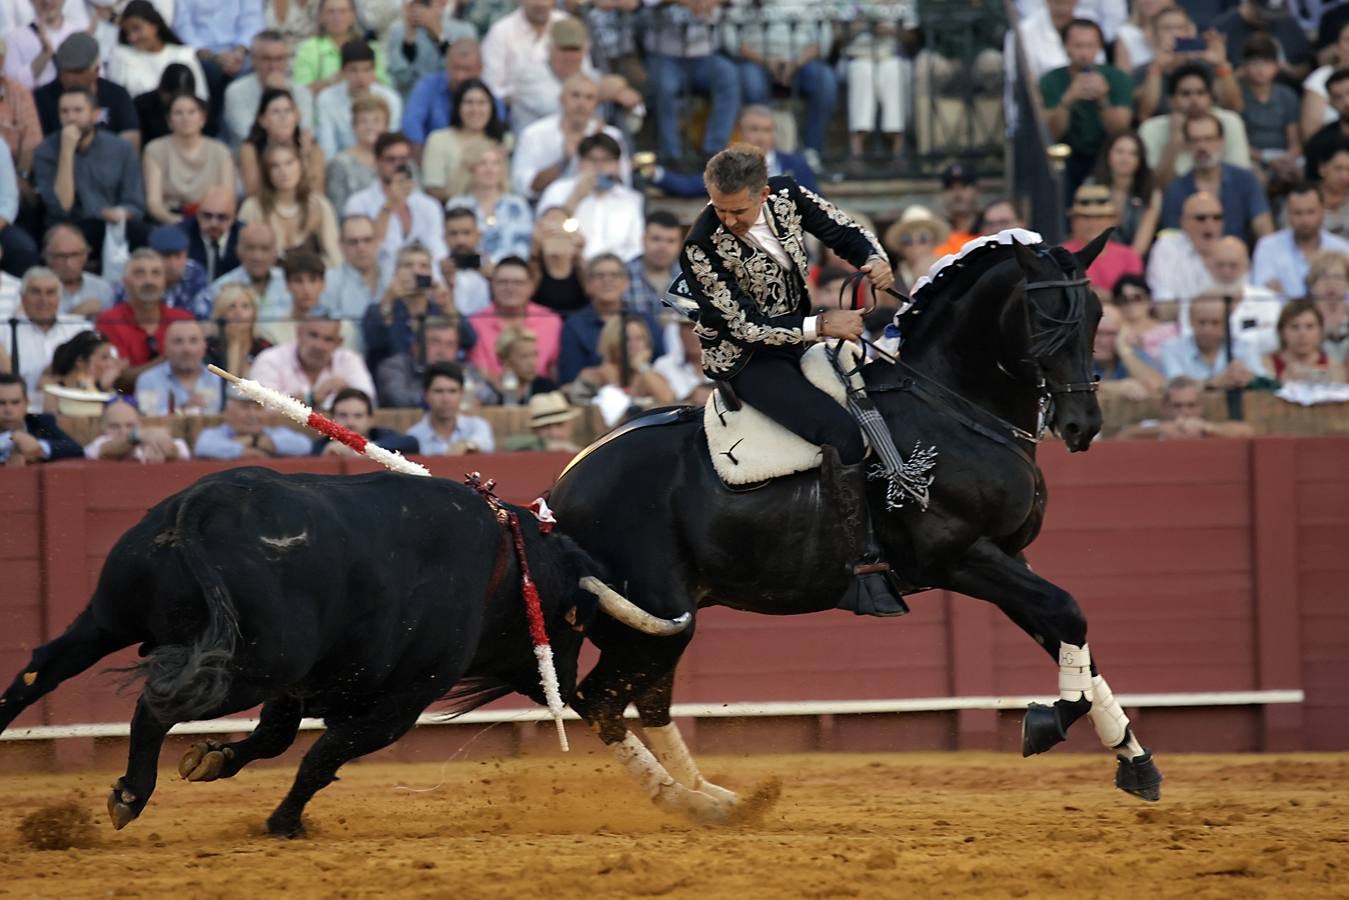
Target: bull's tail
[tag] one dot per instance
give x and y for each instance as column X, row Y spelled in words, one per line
column 185, row 682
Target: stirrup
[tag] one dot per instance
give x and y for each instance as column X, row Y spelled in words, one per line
column 874, row 591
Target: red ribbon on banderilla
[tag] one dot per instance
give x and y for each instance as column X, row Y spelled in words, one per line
column 543, row 651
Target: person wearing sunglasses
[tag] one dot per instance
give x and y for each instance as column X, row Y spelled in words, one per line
column 213, row 233
column 1178, row 265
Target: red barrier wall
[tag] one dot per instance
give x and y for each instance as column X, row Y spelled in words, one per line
column 1201, row 566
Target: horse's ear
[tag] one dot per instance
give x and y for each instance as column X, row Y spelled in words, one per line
column 1088, row 254
column 1025, row 256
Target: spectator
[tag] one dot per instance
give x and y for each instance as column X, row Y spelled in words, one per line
column 606, row 284
column 443, row 431
column 89, row 176
column 17, row 249
column 1135, row 45
column 277, row 123
column 67, row 253
column 305, row 277
column 400, row 376
column 19, row 123
column 1322, row 145
column 912, row 241
column 1201, row 354
column 77, row 66
column 1124, row 170
column 184, row 278
column 40, row 329
column 1250, row 17
column 258, row 270
column 536, row 92
column 1335, row 189
column 418, row 40
column 26, row 437
column 551, row 426
column 1300, row 356
column 353, row 409
column 353, row 169
column 1000, row 215
column 512, row 286
column 182, row 166
column 332, row 108
column 356, row 283
column 213, row 233
column 1246, row 212
column 1183, row 416
column 625, row 363
column 681, row 58
column 318, row 60
column 1085, row 104
column 1120, row 368
column 137, row 325
column 236, row 342
column 86, row 362
column 146, row 46
column 1178, row 264
column 1039, row 34
column 960, row 206
column 152, row 107
column 1163, row 136
column 517, row 352
column 465, row 269
column 556, row 258
column 756, row 126
column 394, row 325
column 1141, row 328
column 1269, row 111
column 682, row 366
column 1255, row 309
column 431, row 103
column 121, row 437
column 473, row 120
column 1153, row 81
column 1316, row 109
column 402, row 214
column 30, row 48
column 1282, row 259
column 315, row 366
column 271, row 69
column 505, row 220
column 180, row 383
column 549, row 149
column 243, row 435
column 651, row 274
column 608, row 214
column 1328, row 288
column 293, row 20
column 221, row 34
column 515, row 49
column 299, row 217
column 1092, row 212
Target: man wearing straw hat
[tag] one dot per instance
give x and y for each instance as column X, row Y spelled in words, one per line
column 550, row 424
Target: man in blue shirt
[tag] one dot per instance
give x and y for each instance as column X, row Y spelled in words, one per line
column 221, row 32
column 443, row 431
column 181, row 382
column 243, row 435
column 1245, row 209
column 428, row 106
column 606, row 283
column 1201, row 354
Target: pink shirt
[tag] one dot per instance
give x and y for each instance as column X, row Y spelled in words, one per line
column 1115, row 261
column 279, row 368
column 541, row 320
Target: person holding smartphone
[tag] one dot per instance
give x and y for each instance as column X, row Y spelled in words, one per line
column 396, row 322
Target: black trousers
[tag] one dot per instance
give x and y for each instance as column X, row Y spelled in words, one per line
column 773, row 384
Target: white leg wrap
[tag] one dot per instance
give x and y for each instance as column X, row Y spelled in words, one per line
column 664, row 791
column 1112, row 725
column 1074, row 672
column 668, row 745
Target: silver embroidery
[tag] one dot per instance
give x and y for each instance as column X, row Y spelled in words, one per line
column 721, row 358
column 789, row 230
column 839, row 217
column 754, row 275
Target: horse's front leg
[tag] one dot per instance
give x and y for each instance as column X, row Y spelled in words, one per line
column 1049, row 614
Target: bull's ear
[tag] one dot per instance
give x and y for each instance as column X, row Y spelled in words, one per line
column 1088, row 254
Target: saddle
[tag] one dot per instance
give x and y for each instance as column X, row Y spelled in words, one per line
column 749, row 448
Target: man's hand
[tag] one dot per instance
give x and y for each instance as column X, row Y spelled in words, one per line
column 327, row 387
column 114, row 214
column 1236, row 375
column 159, row 440
column 840, row 323
column 878, row 272
column 337, row 448
column 1215, row 49
column 26, row 445
column 70, row 138
column 1091, row 86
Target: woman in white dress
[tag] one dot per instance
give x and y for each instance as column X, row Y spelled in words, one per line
column 147, row 45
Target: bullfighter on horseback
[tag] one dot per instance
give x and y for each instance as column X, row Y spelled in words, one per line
column 746, row 262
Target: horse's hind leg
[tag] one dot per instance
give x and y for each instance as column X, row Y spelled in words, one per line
column 1052, row 617
column 653, row 708
column 79, row 647
column 278, row 724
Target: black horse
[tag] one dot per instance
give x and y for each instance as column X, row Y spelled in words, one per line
column 996, row 346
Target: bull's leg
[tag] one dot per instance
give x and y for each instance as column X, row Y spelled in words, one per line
column 278, row 724
column 653, row 708
column 79, row 647
column 344, row 740
column 132, row 791
column 1050, row 615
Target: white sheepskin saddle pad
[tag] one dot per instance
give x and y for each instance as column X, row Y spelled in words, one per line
column 749, row 447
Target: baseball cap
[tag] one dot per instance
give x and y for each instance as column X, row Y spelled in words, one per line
column 569, row 34
column 77, row 53
column 957, row 173
column 168, row 239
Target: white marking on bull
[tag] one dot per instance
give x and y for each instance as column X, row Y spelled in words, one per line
column 286, row 543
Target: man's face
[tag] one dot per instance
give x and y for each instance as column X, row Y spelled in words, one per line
column 959, row 199
column 394, row 158
column 1305, row 212
column 536, row 11
column 1171, row 26
column 1229, row 262
column 461, row 66
column 554, row 432
column 1000, row 217
column 580, row 96
column 1086, row 225
column 442, row 345
column 1205, row 143
column 406, row 270
column 442, row 398
column 1061, row 11
column 85, row 78
column 1191, row 97
column 43, row 9
column 271, row 61
column 75, row 109
column 739, row 211
column 524, row 359
column 42, row 299
column 1206, row 321
column 606, row 283
column 1202, row 219
column 1335, row 172
column 757, row 129
column 215, row 215
column 1260, row 71
column 13, row 405
column 1339, row 98
column 257, row 252
column 599, row 162
column 660, row 245
column 353, row 414
column 67, row 255
column 1082, row 45
column 511, row 288
column 119, row 420
column 1182, row 403
column 316, row 342
column 1107, row 335
column 174, row 266
column 359, row 76
column 461, row 234
column 358, row 244
column 305, row 289
column 184, row 346
column 145, row 280
column 244, row 417
column 566, row 62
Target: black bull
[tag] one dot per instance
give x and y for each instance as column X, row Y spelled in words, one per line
column 358, row 600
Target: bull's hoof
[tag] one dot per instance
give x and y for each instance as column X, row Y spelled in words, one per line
column 1140, row 776
column 204, row 761
column 122, row 806
column 1040, row 729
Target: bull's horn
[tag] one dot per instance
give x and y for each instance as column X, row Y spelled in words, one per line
column 627, row 612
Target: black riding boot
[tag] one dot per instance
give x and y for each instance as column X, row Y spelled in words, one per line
column 874, row 589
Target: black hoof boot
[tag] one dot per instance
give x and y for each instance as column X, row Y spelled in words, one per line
column 1140, row 776
column 1040, row 729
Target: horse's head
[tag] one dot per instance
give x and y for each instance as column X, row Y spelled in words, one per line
column 1051, row 323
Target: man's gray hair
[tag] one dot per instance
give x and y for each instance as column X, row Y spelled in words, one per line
column 598, row 260
column 737, row 168
column 37, row 273
column 755, row 109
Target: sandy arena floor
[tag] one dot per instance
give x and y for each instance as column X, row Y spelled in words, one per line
column 899, row 825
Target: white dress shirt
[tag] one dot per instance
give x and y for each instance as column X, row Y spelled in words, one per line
column 37, row 346
column 1176, row 271
column 540, row 146
column 611, row 220
column 24, row 46
column 514, row 51
column 1278, row 259
column 428, row 226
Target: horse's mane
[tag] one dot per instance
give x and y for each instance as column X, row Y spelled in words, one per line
column 955, row 270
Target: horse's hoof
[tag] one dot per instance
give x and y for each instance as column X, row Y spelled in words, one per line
column 1040, row 729
column 284, row 827
column 1140, row 777
column 121, row 806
